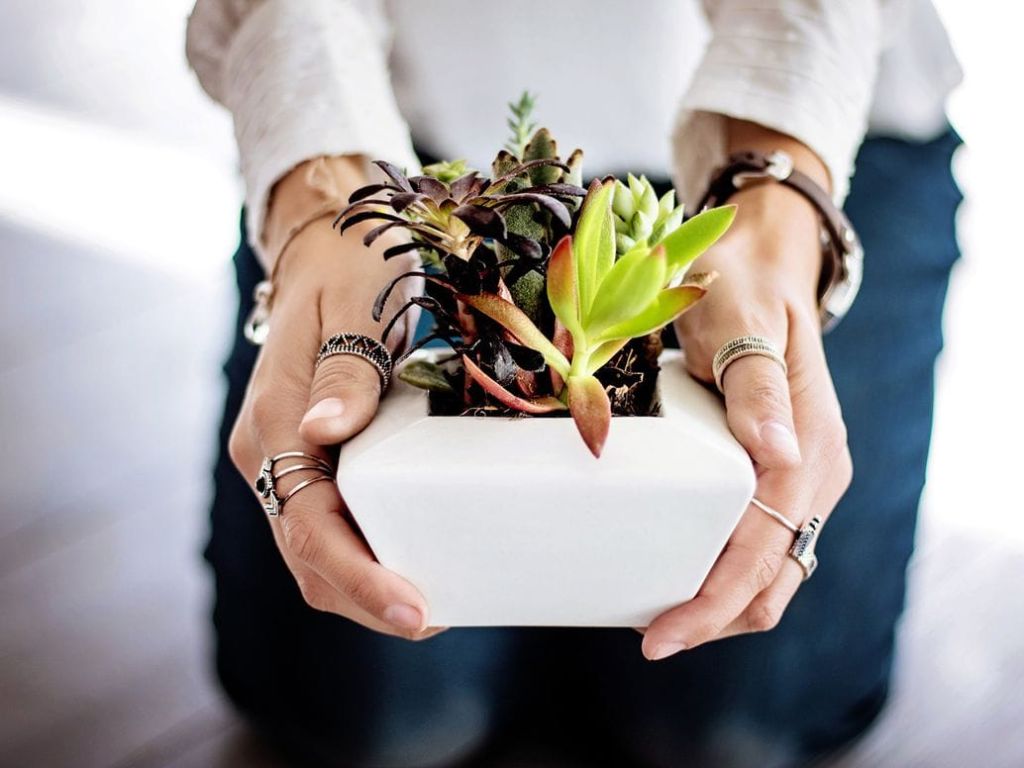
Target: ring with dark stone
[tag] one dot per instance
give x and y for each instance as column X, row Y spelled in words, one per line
column 265, row 483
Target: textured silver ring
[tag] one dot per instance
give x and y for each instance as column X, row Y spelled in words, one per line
column 803, row 546
column 742, row 346
column 266, row 481
column 370, row 350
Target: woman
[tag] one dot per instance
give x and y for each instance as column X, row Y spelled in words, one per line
column 309, row 86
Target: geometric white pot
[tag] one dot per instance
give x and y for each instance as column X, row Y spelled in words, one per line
column 512, row 522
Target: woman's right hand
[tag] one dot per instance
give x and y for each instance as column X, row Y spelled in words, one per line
column 324, row 286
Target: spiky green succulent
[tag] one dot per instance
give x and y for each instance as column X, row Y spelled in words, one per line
column 447, row 170
column 521, row 123
column 640, row 217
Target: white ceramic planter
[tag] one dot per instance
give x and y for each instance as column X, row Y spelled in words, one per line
column 511, row 521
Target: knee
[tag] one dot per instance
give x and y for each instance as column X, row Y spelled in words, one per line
column 725, row 745
column 392, row 733
column 734, row 739
column 445, row 732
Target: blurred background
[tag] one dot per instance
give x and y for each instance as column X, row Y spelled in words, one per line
column 118, row 215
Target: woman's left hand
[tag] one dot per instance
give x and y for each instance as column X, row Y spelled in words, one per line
column 791, row 424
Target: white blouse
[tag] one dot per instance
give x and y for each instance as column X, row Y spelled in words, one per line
column 642, row 86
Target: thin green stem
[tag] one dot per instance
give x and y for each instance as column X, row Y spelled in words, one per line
column 580, row 361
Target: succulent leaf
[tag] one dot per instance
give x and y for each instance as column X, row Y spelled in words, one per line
column 485, row 222
column 594, row 243
column 667, row 203
column 622, row 203
column 514, row 320
column 425, row 374
column 574, row 168
column 695, row 236
column 394, row 173
column 550, row 204
column 542, row 145
column 387, row 290
column 561, row 284
column 371, row 237
column 628, row 288
column 466, row 186
column 431, row 187
column 398, row 250
column 604, row 353
column 371, row 189
column 624, row 243
column 591, row 410
column 666, row 307
column 506, row 398
column 503, row 164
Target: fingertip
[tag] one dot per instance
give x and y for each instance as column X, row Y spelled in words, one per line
column 404, row 616
column 779, row 446
column 656, row 651
column 328, row 421
column 328, row 409
column 324, row 431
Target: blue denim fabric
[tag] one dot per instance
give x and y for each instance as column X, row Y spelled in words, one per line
column 334, row 693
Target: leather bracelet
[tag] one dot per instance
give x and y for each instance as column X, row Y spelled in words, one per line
column 843, row 263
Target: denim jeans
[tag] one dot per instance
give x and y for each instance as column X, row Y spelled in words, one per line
column 334, row 693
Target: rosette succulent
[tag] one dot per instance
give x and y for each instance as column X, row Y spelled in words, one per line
column 543, row 290
column 640, row 216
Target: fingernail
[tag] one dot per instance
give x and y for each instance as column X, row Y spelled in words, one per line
column 403, row 616
column 330, row 408
column 781, row 439
column 664, row 650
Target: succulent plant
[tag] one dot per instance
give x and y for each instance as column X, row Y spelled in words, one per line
column 447, row 170
column 639, row 216
column 538, row 285
column 454, row 218
column 520, row 122
column 603, row 303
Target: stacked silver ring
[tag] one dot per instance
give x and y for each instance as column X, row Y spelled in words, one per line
column 803, row 546
column 266, row 482
column 743, row 346
column 370, row 350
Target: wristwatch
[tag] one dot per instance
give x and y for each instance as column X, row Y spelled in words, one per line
column 843, row 262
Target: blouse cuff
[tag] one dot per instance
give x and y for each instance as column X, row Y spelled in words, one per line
column 331, row 95
column 807, row 76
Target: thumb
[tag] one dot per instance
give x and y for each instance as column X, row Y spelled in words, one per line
column 343, row 400
column 759, row 411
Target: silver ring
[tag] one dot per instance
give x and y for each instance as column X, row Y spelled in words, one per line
column 742, row 346
column 778, row 516
column 303, row 484
column 370, row 350
column 266, row 481
column 803, row 545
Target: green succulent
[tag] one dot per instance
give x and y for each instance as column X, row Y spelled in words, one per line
column 537, row 285
column 447, row 170
column 640, row 217
column 603, row 302
column 521, row 123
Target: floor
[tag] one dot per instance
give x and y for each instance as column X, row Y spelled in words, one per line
column 114, row 302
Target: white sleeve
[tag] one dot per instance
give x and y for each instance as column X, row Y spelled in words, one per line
column 805, row 68
column 302, row 78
